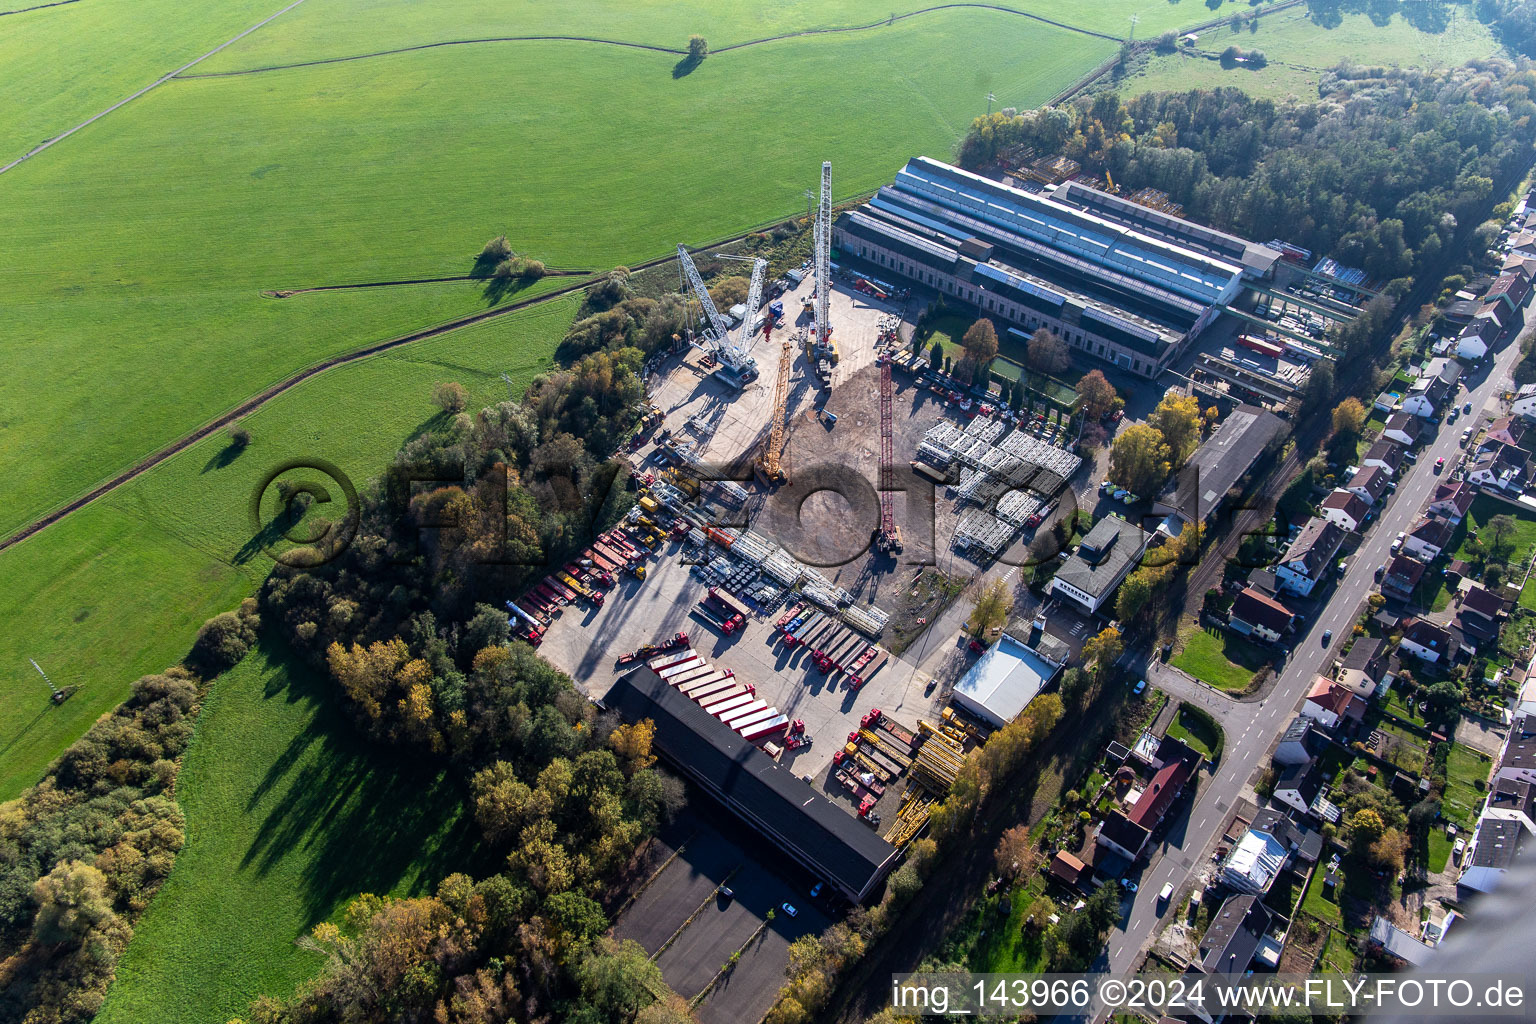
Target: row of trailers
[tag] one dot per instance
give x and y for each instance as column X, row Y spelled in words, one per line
column 834, row 646
column 717, row 691
column 620, row 550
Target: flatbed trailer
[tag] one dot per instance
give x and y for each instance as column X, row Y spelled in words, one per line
column 765, row 715
column 616, row 541
column 830, row 640
column 886, row 748
column 548, row 594
column 729, row 601
column 874, row 665
column 789, row 616
column 876, row 761
column 799, row 635
column 561, row 589
column 814, row 639
column 903, row 735
column 847, row 651
column 801, row 617
column 602, row 561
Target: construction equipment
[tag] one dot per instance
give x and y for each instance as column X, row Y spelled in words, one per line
column 768, row 467
column 823, row 255
column 533, row 632
column 735, row 366
column 888, row 538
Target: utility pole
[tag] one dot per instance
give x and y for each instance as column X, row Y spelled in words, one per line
column 508, row 381
column 991, row 98
column 1134, row 19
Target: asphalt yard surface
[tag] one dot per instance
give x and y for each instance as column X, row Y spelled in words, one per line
column 692, row 931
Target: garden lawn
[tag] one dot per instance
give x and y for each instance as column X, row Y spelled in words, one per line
column 1440, row 846
column 1321, row 901
column 1299, row 50
column 134, row 255
column 290, row 814
column 1466, row 784
column 1226, row 662
column 1193, row 732
column 119, row 588
column 1006, row 946
column 1336, row 957
column 1519, row 545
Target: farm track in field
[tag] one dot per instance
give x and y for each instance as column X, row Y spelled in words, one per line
column 38, row 7
column 283, row 293
column 159, row 81
column 882, row 23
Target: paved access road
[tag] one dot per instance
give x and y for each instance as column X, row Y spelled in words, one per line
column 1250, row 734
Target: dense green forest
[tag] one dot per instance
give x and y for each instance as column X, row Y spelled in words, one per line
column 1378, row 173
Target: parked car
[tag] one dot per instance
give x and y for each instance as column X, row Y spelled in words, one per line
column 1141, row 686
column 1381, row 571
column 1166, row 894
column 1439, row 464
column 1467, row 408
column 1128, row 885
column 1459, row 849
column 789, row 908
column 1327, row 637
column 1397, row 545
column 816, row 889
column 1466, row 435
column 725, row 891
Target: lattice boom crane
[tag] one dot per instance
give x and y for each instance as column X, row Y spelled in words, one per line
column 823, row 239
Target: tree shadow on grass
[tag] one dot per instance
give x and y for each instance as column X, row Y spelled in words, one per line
column 224, row 456
column 362, row 815
column 686, row 66
column 500, row 288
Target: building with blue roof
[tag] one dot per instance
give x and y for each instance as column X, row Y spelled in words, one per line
column 1117, row 281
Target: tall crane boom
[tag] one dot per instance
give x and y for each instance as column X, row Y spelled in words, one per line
column 823, row 238
column 716, row 321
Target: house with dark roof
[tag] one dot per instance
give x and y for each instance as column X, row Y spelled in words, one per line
column 1481, row 614
column 1236, row 931
column 1370, row 482
column 1502, row 467
column 1428, row 642
column 1475, row 338
column 1344, row 509
column 1127, row 833
column 1384, row 455
column 1404, row 428
column 1300, row 742
column 1434, row 389
column 1068, row 870
column 1403, row 574
column 1300, row 787
column 1515, row 800
column 1255, row 614
column 1453, row 500
column 1309, row 557
column 1364, row 666
column 1509, row 289
column 1427, row 538
column 1495, row 845
column 1517, row 757
column 1504, row 430
column 1102, row 560
column 818, row 835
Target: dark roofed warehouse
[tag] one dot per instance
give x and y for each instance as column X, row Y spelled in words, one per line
column 821, row 837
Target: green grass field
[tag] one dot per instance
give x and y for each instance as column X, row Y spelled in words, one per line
column 119, row 588
column 1226, row 662
column 1299, row 51
column 165, row 222
column 289, row 815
